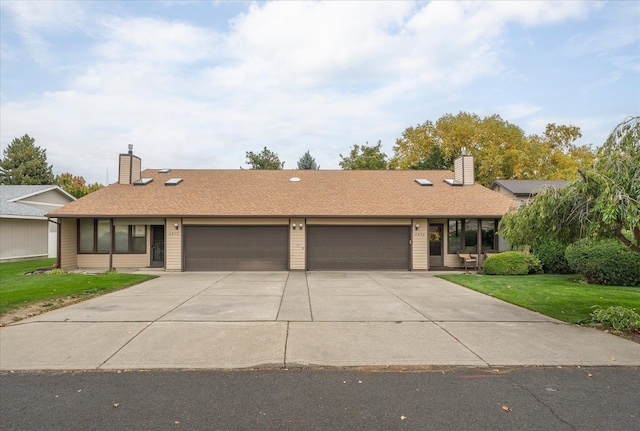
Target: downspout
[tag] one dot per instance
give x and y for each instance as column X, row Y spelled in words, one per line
column 479, row 239
column 113, row 234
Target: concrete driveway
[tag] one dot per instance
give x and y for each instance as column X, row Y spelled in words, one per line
column 288, row 319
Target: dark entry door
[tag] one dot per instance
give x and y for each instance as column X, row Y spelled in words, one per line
column 436, row 257
column 157, row 246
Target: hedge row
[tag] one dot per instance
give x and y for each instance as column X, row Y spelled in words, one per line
column 606, row 262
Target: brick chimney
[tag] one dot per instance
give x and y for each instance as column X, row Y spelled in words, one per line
column 130, row 167
column 463, row 170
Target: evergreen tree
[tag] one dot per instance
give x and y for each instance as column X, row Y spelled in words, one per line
column 308, row 162
column 24, row 163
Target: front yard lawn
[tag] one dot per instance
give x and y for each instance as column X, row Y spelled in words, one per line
column 19, row 290
column 564, row 297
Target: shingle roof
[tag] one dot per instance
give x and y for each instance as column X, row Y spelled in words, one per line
column 7, row 193
column 528, row 187
column 254, row 193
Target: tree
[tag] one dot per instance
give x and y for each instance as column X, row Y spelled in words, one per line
column 501, row 150
column 266, row 159
column 24, row 163
column 603, row 201
column 366, row 157
column 75, row 186
column 307, row 162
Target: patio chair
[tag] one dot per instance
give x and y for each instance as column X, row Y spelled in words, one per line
column 466, row 259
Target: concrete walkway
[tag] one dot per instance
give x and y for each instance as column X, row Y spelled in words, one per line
column 282, row 319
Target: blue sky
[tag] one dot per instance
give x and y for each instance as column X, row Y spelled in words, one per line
column 197, row 84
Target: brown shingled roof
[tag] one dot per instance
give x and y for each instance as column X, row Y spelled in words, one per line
column 254, row 193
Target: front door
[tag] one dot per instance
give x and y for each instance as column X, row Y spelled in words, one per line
column 435, row 245
column 157, row 246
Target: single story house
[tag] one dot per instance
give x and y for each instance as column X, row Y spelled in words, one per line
column 25, row 231
column 523, row 190
column 207, row 220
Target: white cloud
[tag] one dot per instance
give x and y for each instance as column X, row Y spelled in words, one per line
column 35, row 21
column 288, row 75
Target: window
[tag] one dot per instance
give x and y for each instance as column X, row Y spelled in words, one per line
column 489, row 228
column 471, row 236
column 463, row 235
column 94, row 236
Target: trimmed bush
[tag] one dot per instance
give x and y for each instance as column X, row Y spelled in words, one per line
column 535, row 267
column 552, row 257
column 507, row 263
column 606, row 262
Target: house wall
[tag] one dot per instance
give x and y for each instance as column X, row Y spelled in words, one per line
column 23, row 238
column 420, row 245
column 173, row 245
column 68, row 243
column 53, row 197
column 297, row 244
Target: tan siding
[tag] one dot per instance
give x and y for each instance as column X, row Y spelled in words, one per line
column 297, row 245
column 173, row 245
column 23, row 238
column 131, row 260
column 420, row 245
column 93, row 261
column 458, row 174
column 234, row 221
column 124, row 169
column 469, row 173
column 359, row 221
column 69, row 243
column 136, row 168
column 50, row 197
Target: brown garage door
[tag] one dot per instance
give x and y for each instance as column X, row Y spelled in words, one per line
column 236, row 248
column 358, row 247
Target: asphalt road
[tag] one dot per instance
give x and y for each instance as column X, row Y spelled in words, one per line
column 567, row 398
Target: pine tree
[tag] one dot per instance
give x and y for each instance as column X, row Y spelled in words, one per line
column 24, row 163
column 308, row 162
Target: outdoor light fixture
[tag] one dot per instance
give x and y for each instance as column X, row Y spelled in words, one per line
column 293, row 226
column 176, row 225
column 417, row 226
column 300, row 226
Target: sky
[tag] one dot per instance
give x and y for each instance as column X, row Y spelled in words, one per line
column 195, row 84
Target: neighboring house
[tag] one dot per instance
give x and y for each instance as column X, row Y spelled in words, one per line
column 523, row 190
column 25, row 231
column 207, row 220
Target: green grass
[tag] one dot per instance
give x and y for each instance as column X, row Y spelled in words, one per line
column 563, row 297
column 17, row 289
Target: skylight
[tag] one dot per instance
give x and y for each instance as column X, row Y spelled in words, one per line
column 423, row 182
column 453, row 182
column 164, row 171
column 173, row 181
column 294, row 179
column 142, row 181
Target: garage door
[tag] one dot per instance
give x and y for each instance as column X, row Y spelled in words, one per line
column 236, row 248
column 358, row 247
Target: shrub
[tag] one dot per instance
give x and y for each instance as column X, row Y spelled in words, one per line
column 535, row 267
column 507, row 263
column 619, row 318
column 552, row 257
column 56, row 271
column 606, row 262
